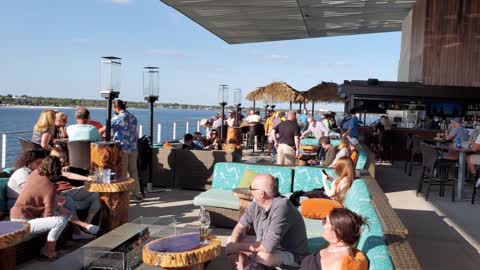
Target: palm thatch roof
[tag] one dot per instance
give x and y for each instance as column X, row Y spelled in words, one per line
column 278, row 91
column 324, row 92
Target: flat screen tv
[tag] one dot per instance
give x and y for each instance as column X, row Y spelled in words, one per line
column 445, row 109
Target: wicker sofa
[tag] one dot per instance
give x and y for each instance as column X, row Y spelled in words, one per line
column 188, row 169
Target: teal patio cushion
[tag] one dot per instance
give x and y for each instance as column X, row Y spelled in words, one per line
column 3, row 194
column 217, row 198
column 314, row 141
column 227, row 175
column 307, row 178
column 362, row 159
column 358, row 193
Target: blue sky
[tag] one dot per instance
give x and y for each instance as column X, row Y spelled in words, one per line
column 52, row 48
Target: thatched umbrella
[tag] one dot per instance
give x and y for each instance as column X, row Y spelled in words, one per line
column 324, row 92
column 277, row 91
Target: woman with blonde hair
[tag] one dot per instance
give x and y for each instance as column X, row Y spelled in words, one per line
column 340, row 186
column 343, row 150
column 60, row 123
column 44, row 129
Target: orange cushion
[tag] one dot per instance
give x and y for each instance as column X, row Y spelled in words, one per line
column 358, row 262
column 318, row 208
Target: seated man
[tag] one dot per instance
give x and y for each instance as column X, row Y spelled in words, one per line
column 281, row 237
column 198, row 141
column 188, row 143
column 328, row 153
column 82, row 131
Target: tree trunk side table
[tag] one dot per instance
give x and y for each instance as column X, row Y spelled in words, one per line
column 188, row 260
column 11, row 233
column 245, row 196
column 115, row 202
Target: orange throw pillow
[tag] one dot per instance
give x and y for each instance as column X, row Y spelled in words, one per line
column 318, row 208
column 359, row 262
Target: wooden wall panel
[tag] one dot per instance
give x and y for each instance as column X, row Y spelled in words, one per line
column 417, row 41
column 452, row 43
column 445, row 42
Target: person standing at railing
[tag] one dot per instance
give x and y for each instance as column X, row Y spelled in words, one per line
column 44, row 129
column 124, row 127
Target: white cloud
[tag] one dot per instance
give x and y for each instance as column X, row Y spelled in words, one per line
column 121, row 2
column 276, row 56
column 164, row 51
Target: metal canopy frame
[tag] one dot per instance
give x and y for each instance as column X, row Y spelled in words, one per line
column 245, row 21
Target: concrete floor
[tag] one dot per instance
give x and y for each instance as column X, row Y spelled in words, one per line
column 443, row 234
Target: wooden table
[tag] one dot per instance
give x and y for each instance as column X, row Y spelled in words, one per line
column 115, row 202
column 192, row 259
column 245, row 196
column 303, row 158
column 462, row 152
column 11, row 233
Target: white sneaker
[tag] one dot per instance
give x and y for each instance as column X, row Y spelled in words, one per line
column 82, row 236
column 93, row 229
column 478, row 183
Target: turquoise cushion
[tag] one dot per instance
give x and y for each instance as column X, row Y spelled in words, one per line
column 362, row 159
column 9, row 170
column 217, row 198
column 3, row 194
column 357, row 193
column 227, row 175
column 307, row 178
column 314, row 141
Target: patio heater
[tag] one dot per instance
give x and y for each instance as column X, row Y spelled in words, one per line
column 237, row 100
column 151, row 78
column 110, row 72
column 222, row 100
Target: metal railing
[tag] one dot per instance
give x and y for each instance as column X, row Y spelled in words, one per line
column 165, row 131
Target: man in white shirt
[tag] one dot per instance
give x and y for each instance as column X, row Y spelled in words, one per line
column 82, row 131
column 315, row 127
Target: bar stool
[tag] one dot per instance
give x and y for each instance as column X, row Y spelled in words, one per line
column 436, row 171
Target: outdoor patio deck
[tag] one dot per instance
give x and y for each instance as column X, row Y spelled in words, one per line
column 444, row 235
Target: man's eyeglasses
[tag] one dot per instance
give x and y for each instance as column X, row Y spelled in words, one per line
column 252, row 189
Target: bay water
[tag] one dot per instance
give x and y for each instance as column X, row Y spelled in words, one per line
column 24, row 118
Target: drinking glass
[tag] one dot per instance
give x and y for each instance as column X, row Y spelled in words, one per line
column 204, row 225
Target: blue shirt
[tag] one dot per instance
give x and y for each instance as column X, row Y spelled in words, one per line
column 460, row 132
column 124, row 127
column 83, row 132
column 353, row 124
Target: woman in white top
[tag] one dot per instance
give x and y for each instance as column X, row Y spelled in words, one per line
column 28, row 161
column 343, row 151
column 340, row 186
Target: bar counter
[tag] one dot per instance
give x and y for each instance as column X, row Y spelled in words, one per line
column 398, row 139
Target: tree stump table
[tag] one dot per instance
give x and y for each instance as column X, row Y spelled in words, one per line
column 114, row 198
column 11, row 233
column 245, row 196
column 107, row 155
column 193, row 259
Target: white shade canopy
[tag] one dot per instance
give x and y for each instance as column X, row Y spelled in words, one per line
column 244, row 21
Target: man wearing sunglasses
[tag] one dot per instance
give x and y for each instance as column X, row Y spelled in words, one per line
column 281, row 238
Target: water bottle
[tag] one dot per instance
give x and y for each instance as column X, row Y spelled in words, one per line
column 458, row 142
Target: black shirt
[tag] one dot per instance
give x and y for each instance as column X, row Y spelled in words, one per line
column 286, row 131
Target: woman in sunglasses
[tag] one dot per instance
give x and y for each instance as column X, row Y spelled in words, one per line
column 341, row 229
column 213, row 141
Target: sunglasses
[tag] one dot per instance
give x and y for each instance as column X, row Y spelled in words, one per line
column 252, row 189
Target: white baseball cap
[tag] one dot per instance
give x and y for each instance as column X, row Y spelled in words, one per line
column 354, row 141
